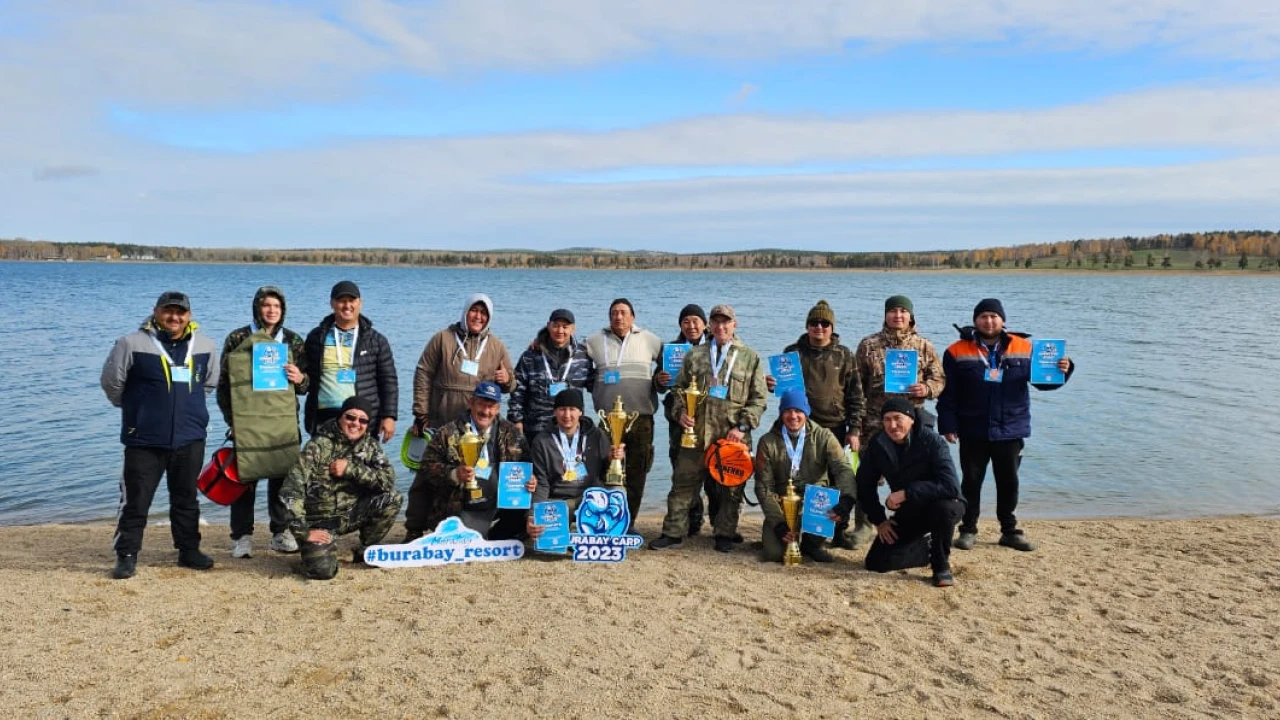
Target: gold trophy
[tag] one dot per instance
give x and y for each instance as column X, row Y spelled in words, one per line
column 618, row 421
column 791, row 513
column 691, row 396
column 469, row 446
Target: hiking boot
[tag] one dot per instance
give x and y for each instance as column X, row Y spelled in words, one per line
column 666, row 542
column 738, row 539
column 1016, row 540
column 943, row 578
column 410, row 536
column 724, row 544
column 357, row 555
column 194, row 559
column 817, row 553
column 126, row 566
column 965, row 540
column 862, row 535
column 283, row 542
column 242, row 547
column 694, row 529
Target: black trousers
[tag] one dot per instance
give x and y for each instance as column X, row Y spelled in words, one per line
column 1005, row 457
column 242, row 509
column 937, row 519
column 143, row 468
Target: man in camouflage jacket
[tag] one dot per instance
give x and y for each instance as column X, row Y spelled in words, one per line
column 898, row 333
column 442, row 477
column 733, row 373
column 342, row 483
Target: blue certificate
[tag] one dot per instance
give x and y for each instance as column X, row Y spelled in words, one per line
column 673, row 359
column 553, row 518
column 785, row 368
column 268, row 366
column 900, row 370
column 1045, row 355
column 818, row 501
column 512, row 477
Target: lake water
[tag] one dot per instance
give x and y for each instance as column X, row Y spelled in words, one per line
column 1169, row 412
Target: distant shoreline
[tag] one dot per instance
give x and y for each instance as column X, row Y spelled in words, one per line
column 1141, row 272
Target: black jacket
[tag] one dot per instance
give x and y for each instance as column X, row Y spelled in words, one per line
column 922, row 467
column 374, row 366
column 548, row 464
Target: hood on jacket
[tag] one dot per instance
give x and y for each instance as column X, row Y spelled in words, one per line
column 263, row 293
column 970, row 333
column 472, row 300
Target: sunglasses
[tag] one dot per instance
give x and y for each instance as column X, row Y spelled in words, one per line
column 819, row 323
column 357, row 419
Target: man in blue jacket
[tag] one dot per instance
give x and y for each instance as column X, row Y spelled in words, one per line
column 986, row 406
column 158, row 377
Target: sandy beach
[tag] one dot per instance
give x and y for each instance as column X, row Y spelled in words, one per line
column 1109, row 618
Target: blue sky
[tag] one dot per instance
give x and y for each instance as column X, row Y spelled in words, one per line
column 705, row 125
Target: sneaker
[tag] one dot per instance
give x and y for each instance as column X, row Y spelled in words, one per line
column 194, row 559
column 943, row 578
column 243, row 547
column 1017, row 541
column 283, row 542
column 724, row 544
column 965, row 541
column 126, row 566
column 666, row 542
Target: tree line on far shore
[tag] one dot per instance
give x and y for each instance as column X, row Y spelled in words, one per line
column 1245, row 250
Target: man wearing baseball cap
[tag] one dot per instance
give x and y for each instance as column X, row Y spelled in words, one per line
column 346, row 357
column 442, row 477
column 158, row 377
column 729, row 372
column 986, row 406
column 554, row 362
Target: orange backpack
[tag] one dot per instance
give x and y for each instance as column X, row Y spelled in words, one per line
column 729, row 462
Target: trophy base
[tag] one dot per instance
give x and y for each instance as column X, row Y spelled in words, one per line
column 792, row 556
column 476, row 493
column 689, row 440
column 615, row 480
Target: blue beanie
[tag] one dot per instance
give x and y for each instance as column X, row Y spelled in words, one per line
column 795, row 399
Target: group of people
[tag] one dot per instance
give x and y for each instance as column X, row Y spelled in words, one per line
column 341, row 481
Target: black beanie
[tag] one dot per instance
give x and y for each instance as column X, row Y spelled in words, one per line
column 569, row 397
column 898, row 405
column 991, row 305
column 355, row 402
column 692, row 309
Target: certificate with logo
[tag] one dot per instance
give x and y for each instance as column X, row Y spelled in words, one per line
column 785, row 368
column 1045, row 355
column 512, row 477
column 553, row 518
column 673, row 359
column 900, row 370
column 269, row 359
column 818, row 501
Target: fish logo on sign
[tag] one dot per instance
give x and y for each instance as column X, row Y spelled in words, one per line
column 603, row 520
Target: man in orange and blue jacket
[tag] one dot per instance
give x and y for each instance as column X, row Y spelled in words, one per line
column 986, row 406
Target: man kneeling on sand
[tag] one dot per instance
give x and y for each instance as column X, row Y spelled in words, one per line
column 924, row 494
column 343, row 483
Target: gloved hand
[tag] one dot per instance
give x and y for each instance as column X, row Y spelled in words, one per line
column 844, row 507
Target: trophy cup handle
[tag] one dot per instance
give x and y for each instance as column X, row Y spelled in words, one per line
column 631, row 420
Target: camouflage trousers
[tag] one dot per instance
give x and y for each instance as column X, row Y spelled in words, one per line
column 371, row 515
column 686, row 480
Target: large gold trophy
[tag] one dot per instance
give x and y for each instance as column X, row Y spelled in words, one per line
column 469, row 446
column 618, row 421
column 691, row 397
column 791, row 503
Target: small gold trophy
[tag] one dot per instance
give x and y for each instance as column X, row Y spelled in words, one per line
column 691, row 396
column 469, row 446
column 791, row 513
column 619, row 422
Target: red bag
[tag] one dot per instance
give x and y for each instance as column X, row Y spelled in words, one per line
column 219, row 480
